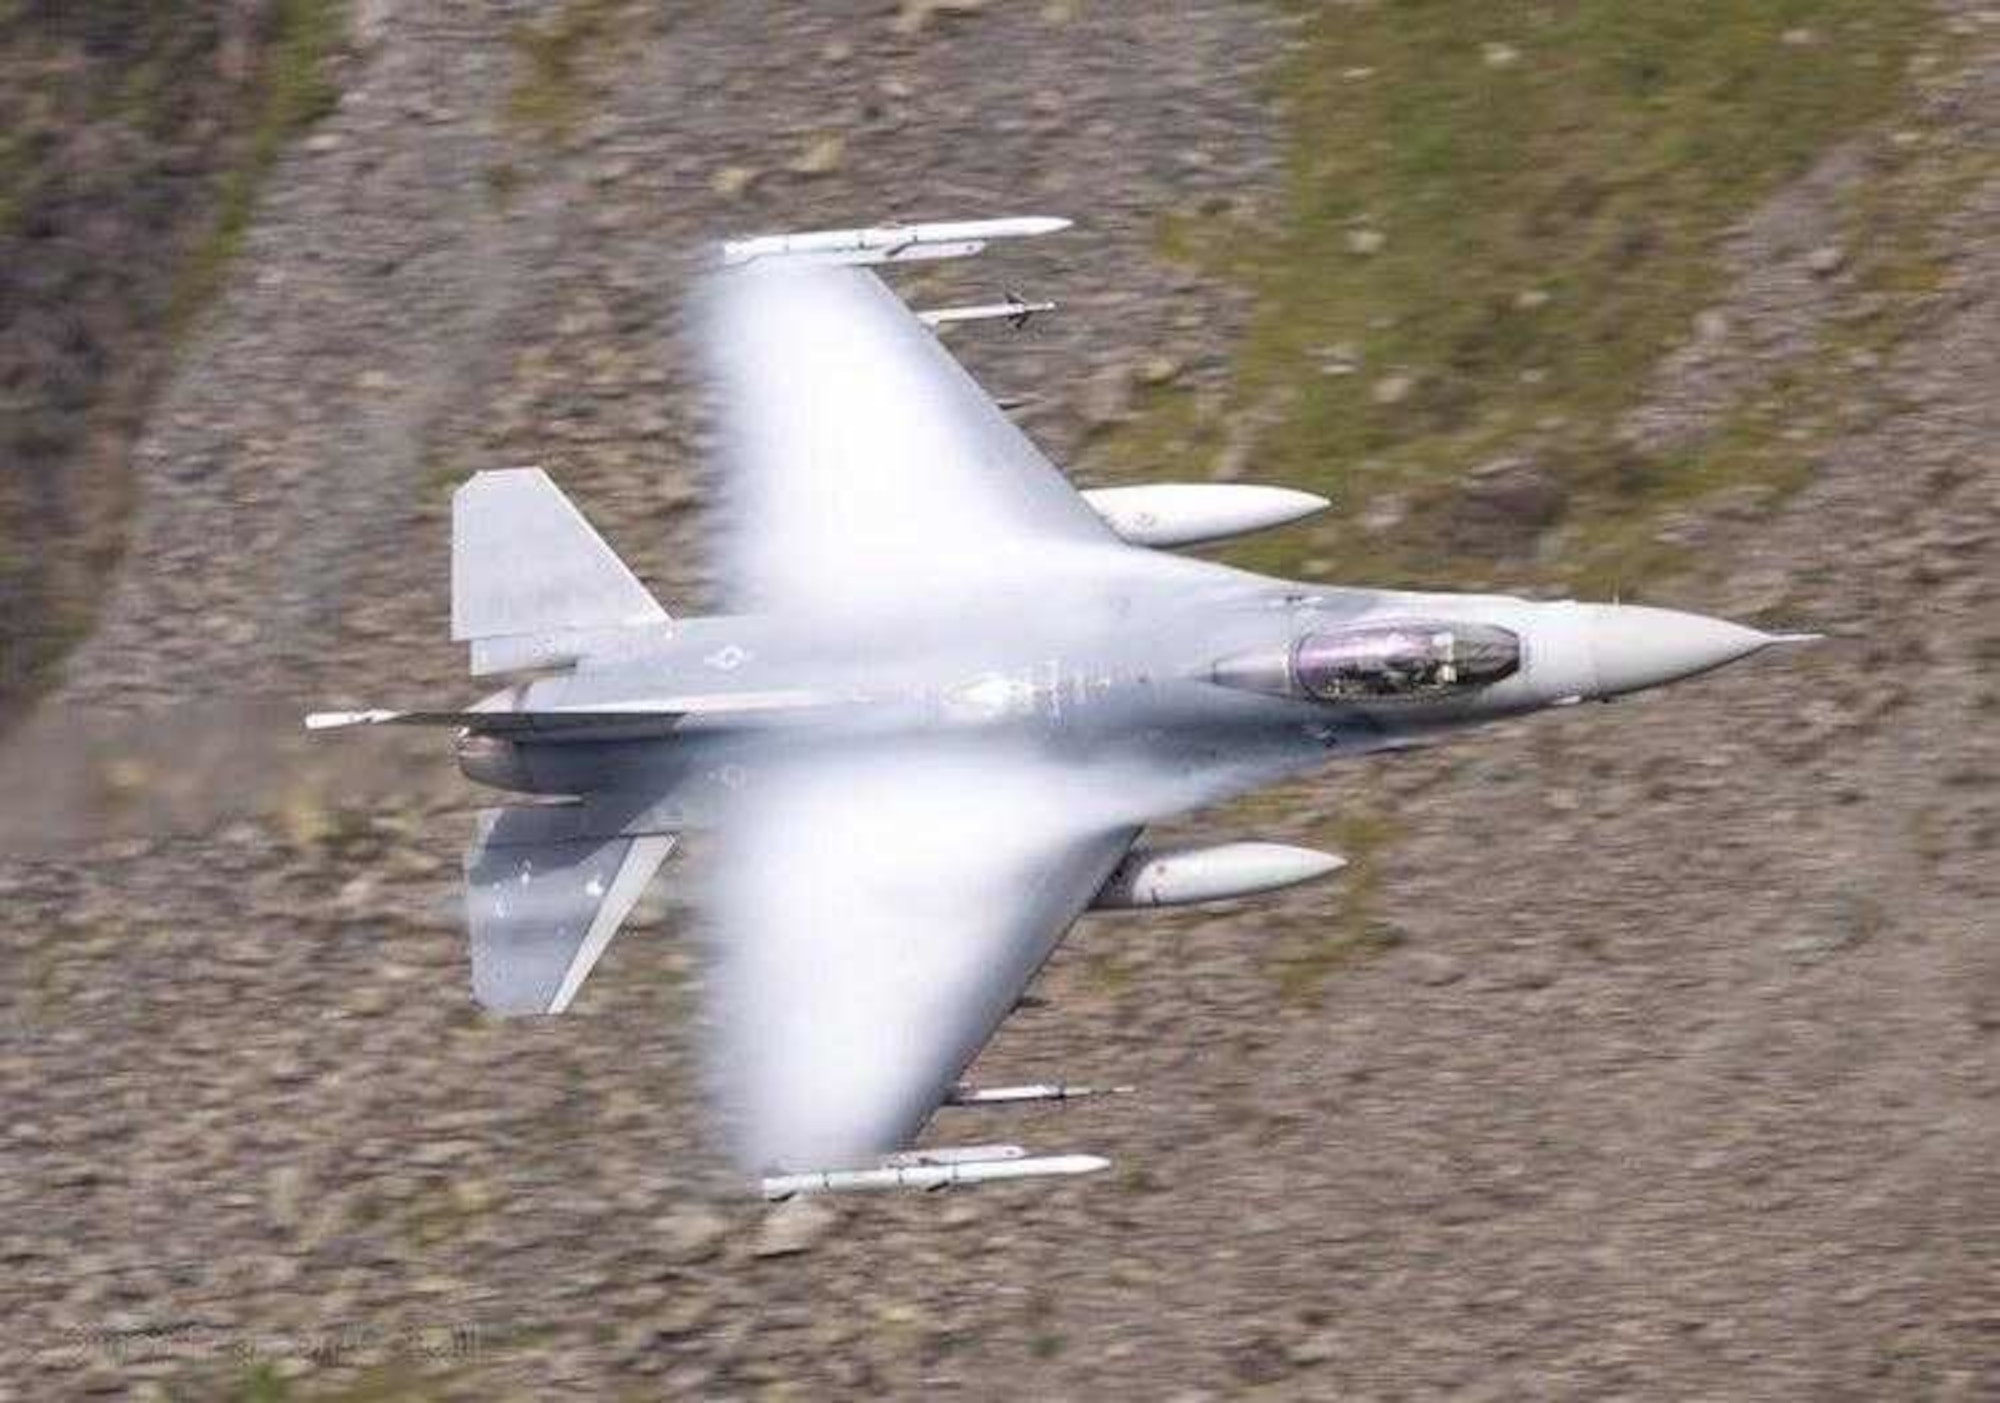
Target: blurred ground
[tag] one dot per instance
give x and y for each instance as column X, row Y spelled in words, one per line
column 133, row 142
column 1648, row 1051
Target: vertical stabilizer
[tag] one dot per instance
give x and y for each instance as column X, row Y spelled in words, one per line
column 525, row 562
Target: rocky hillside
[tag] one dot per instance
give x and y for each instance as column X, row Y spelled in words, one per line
column 133, row 141
column 1650, row 1051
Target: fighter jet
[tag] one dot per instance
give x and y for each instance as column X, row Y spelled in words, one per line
column 946, row 696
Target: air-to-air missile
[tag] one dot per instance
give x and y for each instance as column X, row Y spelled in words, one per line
column 889, row 243
column 930, row 1174
column 963, row 1095
column 951, row 1154
column 1015, row 311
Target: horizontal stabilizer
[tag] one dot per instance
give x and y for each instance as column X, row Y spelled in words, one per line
column 624, row 722
column 524, row 561
column 654, row 717
column 541, row 913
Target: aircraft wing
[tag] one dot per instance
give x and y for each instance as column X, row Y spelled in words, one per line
column 863, row 466
column 876, row 918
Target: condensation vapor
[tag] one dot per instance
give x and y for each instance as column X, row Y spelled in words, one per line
column 890, row 878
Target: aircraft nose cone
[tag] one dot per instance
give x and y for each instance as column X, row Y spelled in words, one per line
column 1635, row 647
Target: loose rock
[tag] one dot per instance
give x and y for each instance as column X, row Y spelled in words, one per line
column 794, row 1227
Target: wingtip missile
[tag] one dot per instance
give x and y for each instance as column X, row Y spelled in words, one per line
column 1039, row 1091
column 928, row 1175
column 1014, row 311
column 888, row 243
column 959, row 1154
column 336, row 720
column 1034, row 225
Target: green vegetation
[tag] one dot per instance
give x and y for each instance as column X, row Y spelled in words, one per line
column 549, row 90
column 1767, row 443
column 126, row 132
column 262, row 1383
column 395, row 1382
column 502, row 179
column 16, row 163
column 297, row 90
column 1498, row 215
column 132, row 141
column 1307, row 957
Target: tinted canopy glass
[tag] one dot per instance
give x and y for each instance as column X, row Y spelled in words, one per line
column 1388, row 661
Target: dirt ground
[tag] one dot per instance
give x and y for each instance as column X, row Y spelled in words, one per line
column 1663, row 1062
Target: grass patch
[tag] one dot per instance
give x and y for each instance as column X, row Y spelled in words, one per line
column 396, row 1382
column 16, row 166
column 1892, row 226
column 37, row 646
column 1768, row 443
column 119, row 142
column 1307, row 958
column 549, row 91
column 298, row 89
column 1615, row 543
column 1497, row 215
column 502, row 180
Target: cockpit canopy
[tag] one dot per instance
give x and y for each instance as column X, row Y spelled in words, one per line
column 1386, row 662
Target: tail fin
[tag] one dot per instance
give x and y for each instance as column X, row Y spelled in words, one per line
column 525, row 564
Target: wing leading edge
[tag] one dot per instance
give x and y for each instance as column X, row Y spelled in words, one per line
column 877, row 917
column 865, row 468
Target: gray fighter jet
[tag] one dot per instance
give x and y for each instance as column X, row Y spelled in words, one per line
column 947, row 696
